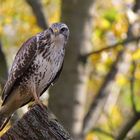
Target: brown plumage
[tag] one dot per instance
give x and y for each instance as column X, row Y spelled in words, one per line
column 37, row 64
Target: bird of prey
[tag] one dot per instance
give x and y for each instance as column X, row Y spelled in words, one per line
column 36, row 66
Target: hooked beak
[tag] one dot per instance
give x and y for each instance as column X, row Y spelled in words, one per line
column 56, row 32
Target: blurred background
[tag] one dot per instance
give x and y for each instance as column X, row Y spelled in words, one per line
column 97, row 96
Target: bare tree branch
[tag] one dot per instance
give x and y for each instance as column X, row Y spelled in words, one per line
column 128, row 125
column 100, row 98
column 103, row 132
column 99, row 101
column 132, row 81
column 135, row 117
column 37, row 124
column 135, row 136
column 123, row 42
column 37, row 9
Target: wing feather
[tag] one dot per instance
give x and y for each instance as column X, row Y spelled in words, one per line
column 57, row 75
column 23, row 59
column 21, row 62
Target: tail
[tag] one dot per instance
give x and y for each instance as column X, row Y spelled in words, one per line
column 3, row 120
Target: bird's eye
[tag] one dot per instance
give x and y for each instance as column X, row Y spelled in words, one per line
column 62, row 30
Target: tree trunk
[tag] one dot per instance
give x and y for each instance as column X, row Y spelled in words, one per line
column 67, row 97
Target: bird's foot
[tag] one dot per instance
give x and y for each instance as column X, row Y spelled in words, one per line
column 32, row 104
column 36, row 98
column 38, row 102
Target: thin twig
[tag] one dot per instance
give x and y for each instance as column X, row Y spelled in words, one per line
column 103, row 132
column 132, row 82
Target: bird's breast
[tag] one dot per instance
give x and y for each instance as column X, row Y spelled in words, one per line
column 44, row 68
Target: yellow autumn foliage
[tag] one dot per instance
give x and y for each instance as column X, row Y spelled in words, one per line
column 136, row 55
column 91, row 136
column 121, row 80
column 115, row 116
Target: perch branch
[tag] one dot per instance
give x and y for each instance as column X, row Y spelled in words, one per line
column 37, row 124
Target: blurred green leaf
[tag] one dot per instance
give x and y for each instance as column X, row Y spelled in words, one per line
column 110, row 15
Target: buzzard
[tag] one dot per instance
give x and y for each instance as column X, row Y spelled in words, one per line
column 36, row 66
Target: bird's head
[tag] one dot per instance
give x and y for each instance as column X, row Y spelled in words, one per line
column 59, row 31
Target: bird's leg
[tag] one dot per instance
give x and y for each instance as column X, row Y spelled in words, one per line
column 36, row 97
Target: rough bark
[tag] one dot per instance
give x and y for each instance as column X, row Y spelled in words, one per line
column 67, row 97
column 37, row 124
column 38, row 11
